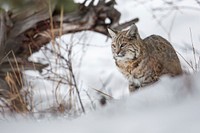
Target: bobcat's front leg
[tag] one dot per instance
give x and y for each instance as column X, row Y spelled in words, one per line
column 133, row 87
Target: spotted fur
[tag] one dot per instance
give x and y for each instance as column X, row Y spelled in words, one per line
column 143, row 61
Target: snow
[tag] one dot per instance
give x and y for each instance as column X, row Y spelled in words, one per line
column 164, row 107
column 171, row 105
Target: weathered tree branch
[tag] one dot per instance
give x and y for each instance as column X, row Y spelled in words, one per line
column 89, row 17
column 31, row 28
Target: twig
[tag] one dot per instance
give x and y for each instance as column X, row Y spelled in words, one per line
column 103, row 93
column 75, row 85
column 194, row 51
column 185, row 61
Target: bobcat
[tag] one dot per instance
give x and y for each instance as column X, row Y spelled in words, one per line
column 143, row 61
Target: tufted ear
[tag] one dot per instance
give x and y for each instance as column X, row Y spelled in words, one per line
column 112, row 33
column 132, row 31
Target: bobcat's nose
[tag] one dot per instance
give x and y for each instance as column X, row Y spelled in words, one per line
column 120, row 54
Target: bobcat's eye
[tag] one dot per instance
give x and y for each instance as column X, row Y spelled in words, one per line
column 123, row 45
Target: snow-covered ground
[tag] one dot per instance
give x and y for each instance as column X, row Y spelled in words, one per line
column 171, row 105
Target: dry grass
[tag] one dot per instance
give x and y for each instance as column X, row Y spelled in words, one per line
column 195, row 64
column 20, row 97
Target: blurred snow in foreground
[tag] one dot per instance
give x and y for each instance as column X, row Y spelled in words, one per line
column 169, row 106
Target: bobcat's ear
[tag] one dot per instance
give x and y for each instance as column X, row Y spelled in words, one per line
column 112, row 33
column 132, row 31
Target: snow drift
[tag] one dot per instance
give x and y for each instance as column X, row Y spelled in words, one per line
column 171, row 105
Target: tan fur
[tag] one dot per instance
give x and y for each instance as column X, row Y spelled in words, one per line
column 143, row 61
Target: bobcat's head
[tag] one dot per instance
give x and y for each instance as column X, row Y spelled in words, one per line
column 126, row 44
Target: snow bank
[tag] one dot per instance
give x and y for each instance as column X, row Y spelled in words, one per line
column 169, row 106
